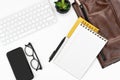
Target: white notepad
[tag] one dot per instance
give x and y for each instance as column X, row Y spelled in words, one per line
column 79, row 50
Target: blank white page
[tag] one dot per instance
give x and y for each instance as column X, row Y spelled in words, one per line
column 80, row 51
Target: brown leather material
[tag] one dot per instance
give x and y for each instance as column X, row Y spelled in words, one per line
column 104, row 14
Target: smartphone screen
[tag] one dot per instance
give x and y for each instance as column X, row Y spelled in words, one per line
column 19, row 64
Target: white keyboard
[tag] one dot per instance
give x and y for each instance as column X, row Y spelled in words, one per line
column 27, row 21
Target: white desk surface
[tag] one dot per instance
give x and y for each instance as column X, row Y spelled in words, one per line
column 45, row 42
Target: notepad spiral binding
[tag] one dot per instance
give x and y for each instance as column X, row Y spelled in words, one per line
column 83, row 24
column 90, row 26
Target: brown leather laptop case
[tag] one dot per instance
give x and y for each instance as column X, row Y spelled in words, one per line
column 104, row 14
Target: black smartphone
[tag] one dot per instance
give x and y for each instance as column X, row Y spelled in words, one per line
column 19, row 64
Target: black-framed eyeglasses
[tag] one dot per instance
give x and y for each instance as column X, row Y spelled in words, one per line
column 35, row 62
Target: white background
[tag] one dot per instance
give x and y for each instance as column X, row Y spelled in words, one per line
column 45, row 41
